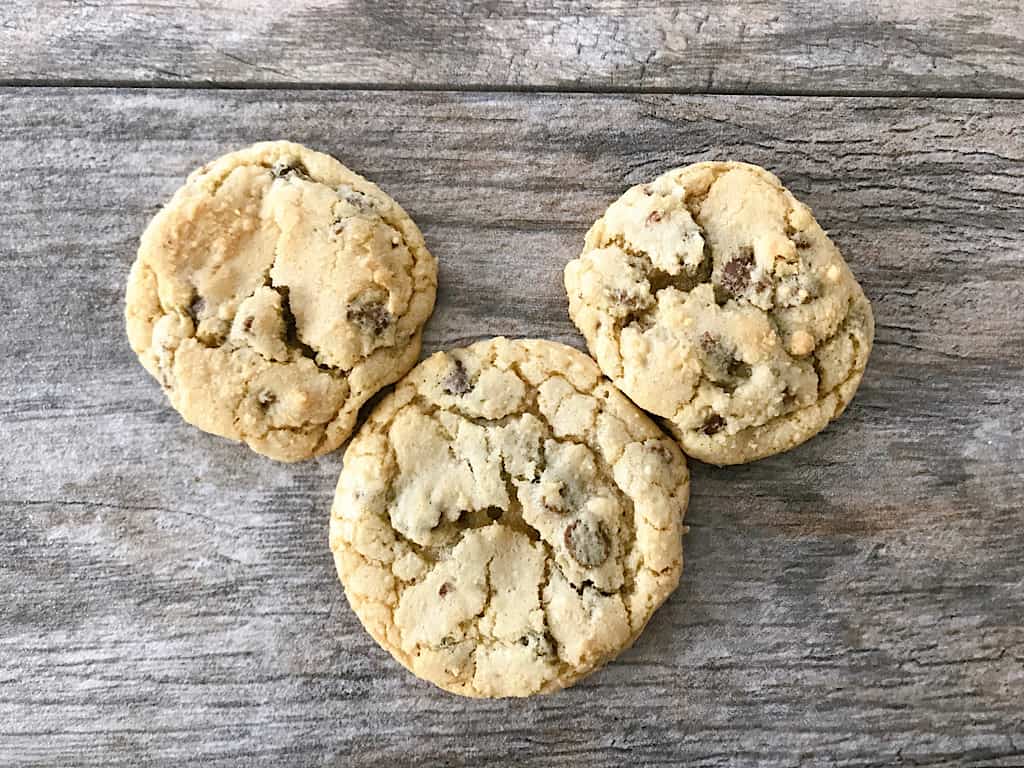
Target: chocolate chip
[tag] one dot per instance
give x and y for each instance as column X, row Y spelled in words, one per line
column 247, row 323
column 587, row 543
column 495, row 513
column 283, row 168
column 738, row 369
column 338, row 226
column 662, row 452
column 266, row 398
column 445, row 589
column 457, row 381
column 358, row 200
column 654, row 217
column 648, row 190
column 687, row 279
column 736, row 273
column 720, row 365
column 713, row 425
column 542, row 644
column 370, row 314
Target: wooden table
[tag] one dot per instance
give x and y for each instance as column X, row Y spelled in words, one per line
column 169, row 598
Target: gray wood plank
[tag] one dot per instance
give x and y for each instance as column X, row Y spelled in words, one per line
column 745, row 46
column 169, row 597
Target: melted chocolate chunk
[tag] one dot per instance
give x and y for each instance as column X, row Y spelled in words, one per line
column 587, row 543
column 713, row 425
column 457, row 381
column 738, row 369
column 686, row 280
column 736, row 273
column 370, row 314
column 289, row 167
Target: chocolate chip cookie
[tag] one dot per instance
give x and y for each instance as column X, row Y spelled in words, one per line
column 274, row 294
column 712, row 298
column 506, row 520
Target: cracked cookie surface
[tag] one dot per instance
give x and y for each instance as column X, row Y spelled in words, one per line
column 506, row 521
column 274, row 294
column 713, row 299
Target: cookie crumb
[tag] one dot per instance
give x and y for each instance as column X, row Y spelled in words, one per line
column 801, row 343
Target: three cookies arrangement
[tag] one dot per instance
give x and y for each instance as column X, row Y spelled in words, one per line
column 508, row 518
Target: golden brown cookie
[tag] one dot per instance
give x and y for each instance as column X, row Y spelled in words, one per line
column 274, row 294
column 506, row 520
column 713, row 299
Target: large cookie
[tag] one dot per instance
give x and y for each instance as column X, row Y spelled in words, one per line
column 506, row 521
column 274, row 294
column 713, row 299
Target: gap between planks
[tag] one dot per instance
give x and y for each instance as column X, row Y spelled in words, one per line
column 577, row 89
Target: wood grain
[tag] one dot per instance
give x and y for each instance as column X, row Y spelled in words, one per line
column 169, row 597
column 761, row 46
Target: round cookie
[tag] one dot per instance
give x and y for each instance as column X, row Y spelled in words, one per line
column 506, row 520
column 274, row 294
column 712, row 298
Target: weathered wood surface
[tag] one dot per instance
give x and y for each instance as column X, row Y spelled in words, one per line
column 822, row 46
column 168, row 597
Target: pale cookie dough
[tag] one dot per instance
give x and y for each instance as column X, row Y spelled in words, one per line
column 274, row 294
column 712, row 298
column 507, row 521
